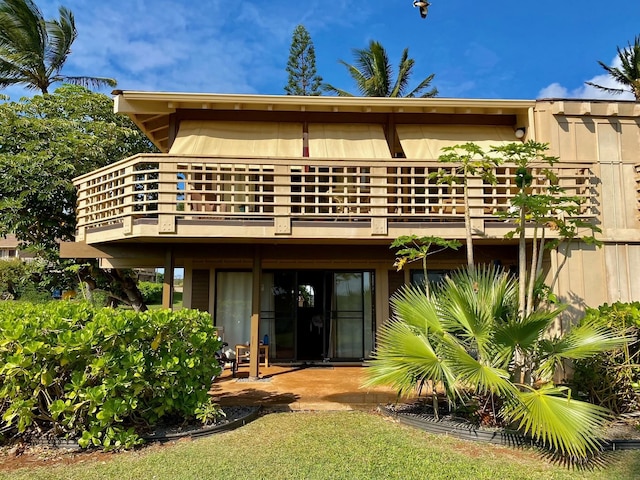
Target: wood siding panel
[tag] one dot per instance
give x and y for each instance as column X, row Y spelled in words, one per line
column 585, row 138
column 630, row 140
column 200, row 290
column 566, row 139
column 617, row 268
column 609, row 156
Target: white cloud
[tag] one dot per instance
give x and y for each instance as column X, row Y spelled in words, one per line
column 555, row 90
column 213, row 46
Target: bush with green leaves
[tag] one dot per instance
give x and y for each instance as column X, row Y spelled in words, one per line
column 19, row 278
column 612, row 379
column 151, row 292
column 68, row 369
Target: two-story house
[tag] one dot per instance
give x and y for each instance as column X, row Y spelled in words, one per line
column 281, row 209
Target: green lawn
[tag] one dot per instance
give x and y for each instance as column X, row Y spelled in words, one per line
column 177, row 302
column 328, row 445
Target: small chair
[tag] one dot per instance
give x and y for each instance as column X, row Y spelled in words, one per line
column 243, row 353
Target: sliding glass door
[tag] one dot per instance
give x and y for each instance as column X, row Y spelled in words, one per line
column 351, row 335
column 305, row 315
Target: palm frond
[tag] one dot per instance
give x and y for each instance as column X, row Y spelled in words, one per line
column 475, row 301
column 405, row 358
column 404, row 73
column 566, row 425
column 580, row 342
column 89, row 82
column 628, row 75
column 473, row 374
column 417, row 309
column 62, row 33
column 424, row 84
column 372, row 73
column 338, row 91
column 523, row 332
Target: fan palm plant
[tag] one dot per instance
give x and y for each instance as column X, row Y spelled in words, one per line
column 33, row 50
column 628, row 75
column 466, row 337
column 373, row 74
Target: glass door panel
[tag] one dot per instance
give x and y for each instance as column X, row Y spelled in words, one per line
column 278, row 313
column 348, row 315
column 233, row 306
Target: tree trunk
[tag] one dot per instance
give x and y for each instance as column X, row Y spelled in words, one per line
column 522, row 265
column 121, row 285
column 130, row 289
column 467, row 224
column 532, row 272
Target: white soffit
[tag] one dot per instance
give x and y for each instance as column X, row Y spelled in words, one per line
column 347, row 141
column 427, row 141
column 250, row 139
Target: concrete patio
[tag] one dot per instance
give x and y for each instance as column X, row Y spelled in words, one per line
column 324, row 387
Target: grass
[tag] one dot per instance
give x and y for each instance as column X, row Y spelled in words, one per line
column 177, row 302
column 327, row 445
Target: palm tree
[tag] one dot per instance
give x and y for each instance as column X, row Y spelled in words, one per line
column 34, row 50
column 467, row 337
column 628, row 74
column 373, row 75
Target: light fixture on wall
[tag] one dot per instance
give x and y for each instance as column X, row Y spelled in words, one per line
column 520, row 132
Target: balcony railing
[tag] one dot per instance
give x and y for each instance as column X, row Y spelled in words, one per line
column 170, row 189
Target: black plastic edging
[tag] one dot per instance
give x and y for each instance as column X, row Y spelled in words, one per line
column 204, row 432
column 72, row 444
column 465, row 431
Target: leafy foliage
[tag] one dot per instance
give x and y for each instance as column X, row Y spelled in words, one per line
column 466, row 338
column 45, row 142
column 547, row 207
column 68, row 369
column 301, row 67
column 151, row 292
column 612, row 379
column 28, row 280
column 34, row 50
column 373, row 73
column 411, row 248
column 470, row 159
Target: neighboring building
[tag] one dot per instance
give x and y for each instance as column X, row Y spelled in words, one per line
column 9, row 249
column 281, row 209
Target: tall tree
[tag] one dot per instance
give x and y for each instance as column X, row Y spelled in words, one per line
column 34, row 50
column 301, row 67
column 628, row 75
column 45, row 142
column 373, row 74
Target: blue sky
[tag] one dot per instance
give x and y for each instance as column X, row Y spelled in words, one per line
column 477, row 49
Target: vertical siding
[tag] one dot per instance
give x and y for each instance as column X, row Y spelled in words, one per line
column 200, row 290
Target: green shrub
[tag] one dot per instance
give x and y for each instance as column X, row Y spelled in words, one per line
column 151, row 292
column 23, row 280
column 69, row 369
column 612, row 379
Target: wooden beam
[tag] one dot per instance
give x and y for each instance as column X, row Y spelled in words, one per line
column 254, row 353
column 167, row 283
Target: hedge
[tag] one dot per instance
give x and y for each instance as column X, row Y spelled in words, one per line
column 101, row 375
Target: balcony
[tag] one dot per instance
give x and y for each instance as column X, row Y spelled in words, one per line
column 181, row 197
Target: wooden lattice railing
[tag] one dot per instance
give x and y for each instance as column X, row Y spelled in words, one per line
column 200, row 188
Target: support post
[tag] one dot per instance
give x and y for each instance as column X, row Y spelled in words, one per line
column 254, row 352
column 167, row 284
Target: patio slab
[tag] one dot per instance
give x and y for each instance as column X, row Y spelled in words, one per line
column 302, row 388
